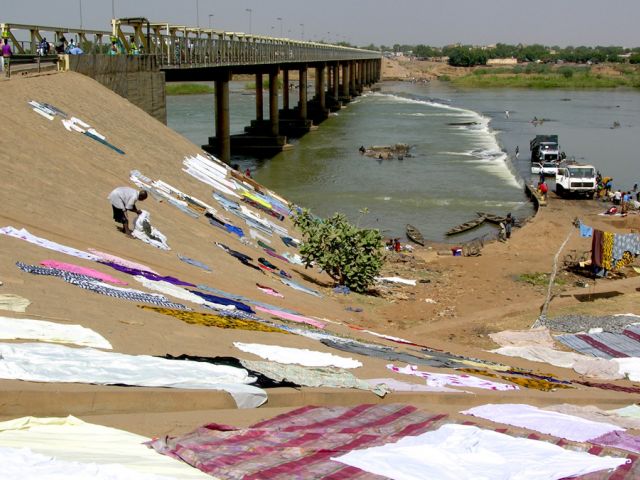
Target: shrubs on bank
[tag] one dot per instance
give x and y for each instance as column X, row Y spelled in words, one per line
column 350, row 255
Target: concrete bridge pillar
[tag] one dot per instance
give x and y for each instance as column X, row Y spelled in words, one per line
column 273, row 102
column 336, row 80
column 352, row 79
column 285, row 89
column 302, row 89
column 320, row 86
column 222, row 117
column 259, row 98
column 360, row 77
column 345, row 79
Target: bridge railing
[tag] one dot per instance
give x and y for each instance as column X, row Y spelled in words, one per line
column 179, row 46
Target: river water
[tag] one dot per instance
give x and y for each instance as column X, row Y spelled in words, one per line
column 462, row 150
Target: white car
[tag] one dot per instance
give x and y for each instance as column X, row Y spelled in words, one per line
column 548, row 169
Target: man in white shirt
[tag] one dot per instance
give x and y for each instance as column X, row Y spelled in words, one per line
column 124, row 199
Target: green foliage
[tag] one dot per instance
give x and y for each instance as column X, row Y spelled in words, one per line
column 566, row 72
column 635, row 58
column 539, row 279
column 350, row 255
column 467, row 57
column 188, row 89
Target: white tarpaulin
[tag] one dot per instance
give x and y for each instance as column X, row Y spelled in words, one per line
column 455, row 452
column 56, row 363
column 26, row 329
column 27, row 465
column 533, row 418
column 300, row 356
column 70, row 439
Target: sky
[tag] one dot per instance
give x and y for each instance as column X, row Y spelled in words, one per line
column 362, row 22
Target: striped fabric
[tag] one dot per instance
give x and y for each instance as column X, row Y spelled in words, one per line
column 299, row 444
column 605, row 345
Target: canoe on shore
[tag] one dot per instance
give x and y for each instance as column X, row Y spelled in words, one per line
column 490, row 217
column 467, row 225
column 414, row 235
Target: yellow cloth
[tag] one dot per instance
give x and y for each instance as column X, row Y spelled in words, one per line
column 13, row 303
column 607, row 250
column 257, row 199
column 627, row 259
column 212, row 320
column 538, row 384
column 72, row 439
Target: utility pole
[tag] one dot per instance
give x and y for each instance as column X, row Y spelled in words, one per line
column 211, row 15
column 80, row 3
column 198, row 13
column 302, row 31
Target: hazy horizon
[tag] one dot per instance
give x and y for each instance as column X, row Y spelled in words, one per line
column 411, row 22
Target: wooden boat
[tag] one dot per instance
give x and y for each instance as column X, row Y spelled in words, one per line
column 467, row 225
column 490, row 217
column 414, row 235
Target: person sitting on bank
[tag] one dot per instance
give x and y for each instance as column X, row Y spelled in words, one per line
column 124, row 199
column 509, row 222
column 61, row 45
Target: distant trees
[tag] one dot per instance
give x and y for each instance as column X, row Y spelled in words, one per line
column 466, row 57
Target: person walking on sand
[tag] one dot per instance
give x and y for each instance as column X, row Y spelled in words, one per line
column 7, row 53
column 124, row 199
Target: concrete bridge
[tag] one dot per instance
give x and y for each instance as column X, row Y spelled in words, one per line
column 137, row 57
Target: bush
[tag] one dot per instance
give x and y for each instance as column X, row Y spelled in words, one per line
column 350, row 255
column 566, row 72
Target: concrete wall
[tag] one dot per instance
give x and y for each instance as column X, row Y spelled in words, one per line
column 135, row 78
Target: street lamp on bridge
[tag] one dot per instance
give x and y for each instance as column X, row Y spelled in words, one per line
column 197, row 14
column 302, row 31
column 211, row 15
column 280, row 20
column 250, row 12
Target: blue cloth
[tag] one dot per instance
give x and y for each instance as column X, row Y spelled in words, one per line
column 233, row 229
column 586, row 231
column 626, row 242
column 195, row 263
column 223, row 301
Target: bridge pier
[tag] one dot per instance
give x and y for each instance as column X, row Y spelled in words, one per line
column 345, row 96
column 317, row 106
column 222, row 118
column 259, row 98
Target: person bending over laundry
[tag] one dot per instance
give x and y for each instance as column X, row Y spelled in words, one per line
column 124, row 199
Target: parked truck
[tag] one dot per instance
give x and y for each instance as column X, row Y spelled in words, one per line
column 545, row 148
column 576, row 179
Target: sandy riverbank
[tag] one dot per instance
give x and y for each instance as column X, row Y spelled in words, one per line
column 56, row 187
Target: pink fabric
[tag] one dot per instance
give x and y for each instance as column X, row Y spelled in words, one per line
column 291, row 316
column 90, row 272
column 270, row 291
column 121, row 261
column 442, row 379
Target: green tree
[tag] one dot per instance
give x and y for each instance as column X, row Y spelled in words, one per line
column 350, row 255
column 467, row 57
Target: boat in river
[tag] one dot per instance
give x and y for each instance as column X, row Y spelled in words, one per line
column 414, row 235
column 490, row 217
column 476, row 222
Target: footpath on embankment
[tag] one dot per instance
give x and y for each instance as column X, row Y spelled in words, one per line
column 55, row 184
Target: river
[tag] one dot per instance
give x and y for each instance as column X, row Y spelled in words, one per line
column 462, row 150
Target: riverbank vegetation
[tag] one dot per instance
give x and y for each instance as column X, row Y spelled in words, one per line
column 188, row 89
column 265, row 84
column 542, row 76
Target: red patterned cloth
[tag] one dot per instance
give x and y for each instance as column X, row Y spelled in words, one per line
column 300, row 444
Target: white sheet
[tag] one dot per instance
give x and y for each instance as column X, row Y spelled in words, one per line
column 455, row 452
column 27, row 465
column 26, row 329
column 629, row 367
column 160, row 240
column 56, row 363
column 299, row 356
column 13, row 303
column 24, row 234
column 552, row 423
column 584, row 365
column 398, row 386
column 179, row 292
column 73, row 440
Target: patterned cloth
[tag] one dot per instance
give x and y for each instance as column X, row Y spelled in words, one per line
column 298, row 444
column 607, row 250
column 629, row 242
column 622, row 440
column 535, row 383
column 443, row 379
column 314, row 376
column 211, row 320
column 89, row 283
